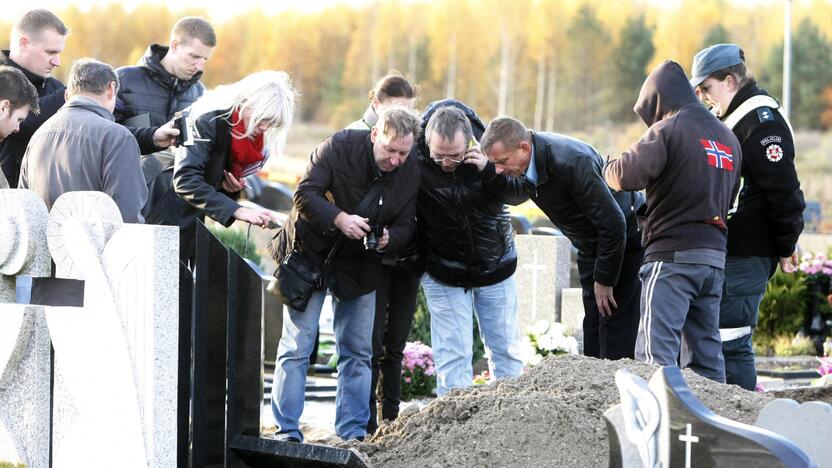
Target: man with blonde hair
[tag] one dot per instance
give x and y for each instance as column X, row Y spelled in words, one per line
column 37, row 40
column 356, row 200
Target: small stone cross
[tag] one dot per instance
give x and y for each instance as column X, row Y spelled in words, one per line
column 688, row 439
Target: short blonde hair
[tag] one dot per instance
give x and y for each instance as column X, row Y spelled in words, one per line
column 194, row 27
column 399, row 121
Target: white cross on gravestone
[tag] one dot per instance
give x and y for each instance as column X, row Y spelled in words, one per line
column 534, row 267
column 688, row 439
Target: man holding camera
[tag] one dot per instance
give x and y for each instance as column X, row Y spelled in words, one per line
column 356, row 200
column 467, row 244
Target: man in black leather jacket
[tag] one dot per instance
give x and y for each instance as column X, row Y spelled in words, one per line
column 468, row 249
column 563, row 177
column 165, row 81
column 37, row 40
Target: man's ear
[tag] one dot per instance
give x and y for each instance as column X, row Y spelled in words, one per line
column 373, row 134
column 24, row 42
column 174, row 44
column 5, row 104
column 111, row 90
column 526, row 147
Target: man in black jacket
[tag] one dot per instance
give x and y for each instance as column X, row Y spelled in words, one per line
column 357, row 180
column 165, row 81
column 468, row 249
column 563, row 177
column 37, row 40
column 767, row 220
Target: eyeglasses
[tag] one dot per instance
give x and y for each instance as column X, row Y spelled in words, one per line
column 455, row 158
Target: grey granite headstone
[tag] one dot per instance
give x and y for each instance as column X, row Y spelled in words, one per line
column 542, row 273
column 808, row 425
column 23, row 218
column 24, row 385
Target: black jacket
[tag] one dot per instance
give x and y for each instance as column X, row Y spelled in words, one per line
column 465, row 233
column 197, row 180
column 571, row 190
column 689, row 163
column 148, row 88
column 51, row 98
column 341, row 171
column 769, row 215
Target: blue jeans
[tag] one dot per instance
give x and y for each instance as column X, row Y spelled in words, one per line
column 353, row 323
column 452, row 336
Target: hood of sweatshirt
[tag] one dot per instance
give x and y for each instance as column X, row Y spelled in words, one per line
column 664, row 92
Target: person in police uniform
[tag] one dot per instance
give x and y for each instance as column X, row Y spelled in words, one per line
column 767, row 217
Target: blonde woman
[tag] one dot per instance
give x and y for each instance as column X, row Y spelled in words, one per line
column 236, row 127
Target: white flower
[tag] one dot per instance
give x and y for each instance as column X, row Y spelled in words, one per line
column 540, row 327
column 547, row 342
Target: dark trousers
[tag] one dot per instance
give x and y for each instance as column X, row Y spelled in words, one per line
column 745, row 285
column 395, row 306
column 612, row 337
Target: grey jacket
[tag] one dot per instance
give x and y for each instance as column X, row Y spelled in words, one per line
column 82, row 148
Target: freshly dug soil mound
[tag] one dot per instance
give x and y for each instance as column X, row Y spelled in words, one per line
column 802, row 395
column 550, row 416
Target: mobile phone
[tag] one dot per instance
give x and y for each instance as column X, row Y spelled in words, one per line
column 182, row 122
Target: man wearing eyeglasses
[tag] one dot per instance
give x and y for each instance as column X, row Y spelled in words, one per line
column 466, row 241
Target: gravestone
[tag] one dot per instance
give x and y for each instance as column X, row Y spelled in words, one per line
column 572, row 310
column 662, row 423
column 121, row 347
column 543, row 265
column 808, row 425
column 24, row 385
column 115, row 364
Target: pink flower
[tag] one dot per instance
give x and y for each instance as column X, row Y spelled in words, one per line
column 407, row 379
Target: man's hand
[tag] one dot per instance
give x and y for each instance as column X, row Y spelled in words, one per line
column 254, row 216
column 789, row 264
column 232, row 184
column 165, row 135
column 604, row 300
column 353, row 226
column 383, row 241
column 475, row 157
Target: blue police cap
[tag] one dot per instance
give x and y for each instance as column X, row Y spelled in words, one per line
column 713, row 59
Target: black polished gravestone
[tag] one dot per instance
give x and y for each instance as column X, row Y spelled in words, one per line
column 688, row 434
column 227, row 388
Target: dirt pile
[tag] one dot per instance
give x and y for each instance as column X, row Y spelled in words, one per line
column 550, row 416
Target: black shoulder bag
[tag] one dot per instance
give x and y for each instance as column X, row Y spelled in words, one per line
column 297, row 277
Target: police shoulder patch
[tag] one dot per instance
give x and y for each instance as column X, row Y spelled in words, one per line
column 765, row 114
column 774, row 153
column 770, row 139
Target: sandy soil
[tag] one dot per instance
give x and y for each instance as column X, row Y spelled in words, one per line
column 550, row 416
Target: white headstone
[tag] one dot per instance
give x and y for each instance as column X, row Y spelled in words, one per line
column 572, row 310
column 115, row 359
column 808, row 425
column 23, row 250
column 24, row 385
column 543, row 266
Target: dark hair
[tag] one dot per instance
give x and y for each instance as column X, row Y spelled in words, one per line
column 34, row 22
column 446, row 121
column 194, row 27
column 393, row 85
column 15, row 87
column 506, row 130
column 739, row 72
column 90, row 76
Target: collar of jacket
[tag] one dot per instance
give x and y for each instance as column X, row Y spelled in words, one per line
column 82, row 102
column 152, row 61
column 374, row 172
column 36, row 80
column 370, row 117
column 749, row 90
column 541, row 147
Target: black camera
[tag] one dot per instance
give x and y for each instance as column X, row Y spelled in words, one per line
column 372, row 237
column 182, row 122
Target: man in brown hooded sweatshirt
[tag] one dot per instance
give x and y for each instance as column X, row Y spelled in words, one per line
column 688, row 162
